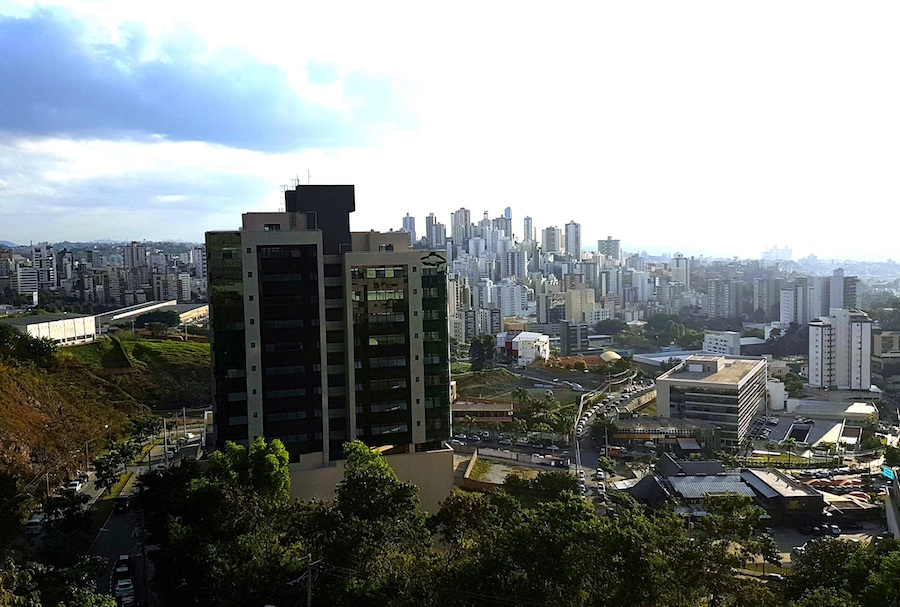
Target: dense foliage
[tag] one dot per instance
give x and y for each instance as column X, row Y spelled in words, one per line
column 230, row 536
column 483, row 352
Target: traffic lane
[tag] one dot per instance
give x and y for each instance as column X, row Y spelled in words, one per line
column 493, row 444
column 117, row 536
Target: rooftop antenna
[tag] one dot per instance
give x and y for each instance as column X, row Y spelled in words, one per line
column 308, row 177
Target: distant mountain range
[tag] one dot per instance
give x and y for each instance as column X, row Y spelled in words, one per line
column 6, row 243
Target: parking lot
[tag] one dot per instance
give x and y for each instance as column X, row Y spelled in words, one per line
column 788, row 539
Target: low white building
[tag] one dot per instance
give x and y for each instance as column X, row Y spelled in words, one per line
column 722, row 342
column 61, row 329
column 528, row 347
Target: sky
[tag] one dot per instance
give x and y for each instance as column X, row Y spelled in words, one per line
column 715, row 128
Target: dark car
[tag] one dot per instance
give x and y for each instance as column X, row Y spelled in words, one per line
column 123, row 504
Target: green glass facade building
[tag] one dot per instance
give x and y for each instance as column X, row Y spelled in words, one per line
column 321, row 335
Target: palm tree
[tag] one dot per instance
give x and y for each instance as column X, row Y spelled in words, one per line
column 789, row 442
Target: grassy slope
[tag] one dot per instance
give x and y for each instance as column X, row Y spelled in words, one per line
column 500, row 383
column 166, row 374
column 49, row 414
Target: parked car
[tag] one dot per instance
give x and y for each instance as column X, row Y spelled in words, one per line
column 35, row 524
column 123, row 504
column 74, row 486
column 124, row 588
column 835, row 530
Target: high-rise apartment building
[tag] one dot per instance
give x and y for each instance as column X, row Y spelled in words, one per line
column 43, row 261
column 611, row 248
column 321, row 335
column 409, row 226
column 723, row 298
column 461, row 226
column 794, row 307
column 573, row 240
column 681, row 270
column 844, row 293
column 840, row 350
column 761, row 298
column 551, row 240
column 528, row 229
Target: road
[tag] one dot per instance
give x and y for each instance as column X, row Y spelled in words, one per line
column 121, row 533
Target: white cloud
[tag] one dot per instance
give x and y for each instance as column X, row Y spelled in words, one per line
column 701, row 126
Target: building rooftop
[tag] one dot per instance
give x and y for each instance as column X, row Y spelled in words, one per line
column 24, row 321
column 728, row 370
column 771, row 484
column 696, row 487
column 527, row 336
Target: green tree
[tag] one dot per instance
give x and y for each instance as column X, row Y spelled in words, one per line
column 829, row 563
column 168, row 318
column 892, row 456
column 824, row 597
column 263, row 469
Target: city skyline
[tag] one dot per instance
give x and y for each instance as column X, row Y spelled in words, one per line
column 703, row 130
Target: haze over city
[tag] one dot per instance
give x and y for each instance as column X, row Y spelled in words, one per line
column 702, row 128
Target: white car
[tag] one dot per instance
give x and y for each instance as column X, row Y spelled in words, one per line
column 75, row 486
column 124, row 588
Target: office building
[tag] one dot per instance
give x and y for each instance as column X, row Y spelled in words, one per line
column 321, row 335
column 728, row 392
column 840, row 350
column 722, row 342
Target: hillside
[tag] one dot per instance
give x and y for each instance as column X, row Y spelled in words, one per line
column 159, row 374
column 50, row 407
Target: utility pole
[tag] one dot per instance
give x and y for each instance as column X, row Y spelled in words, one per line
column 308, row 580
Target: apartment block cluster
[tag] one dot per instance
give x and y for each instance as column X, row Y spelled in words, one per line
column 546, row 281
column 119, row 276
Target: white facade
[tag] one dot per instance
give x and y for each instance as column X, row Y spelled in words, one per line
column 511, row 298
column 722, row 342
column 579, row 303
column 64, row 331
column 26, row 281
column 840, row 351
column 43, row 261
column 530, row 347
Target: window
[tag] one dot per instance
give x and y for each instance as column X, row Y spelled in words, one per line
column 248, row 250
column 249, row 274
column 272, row 227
